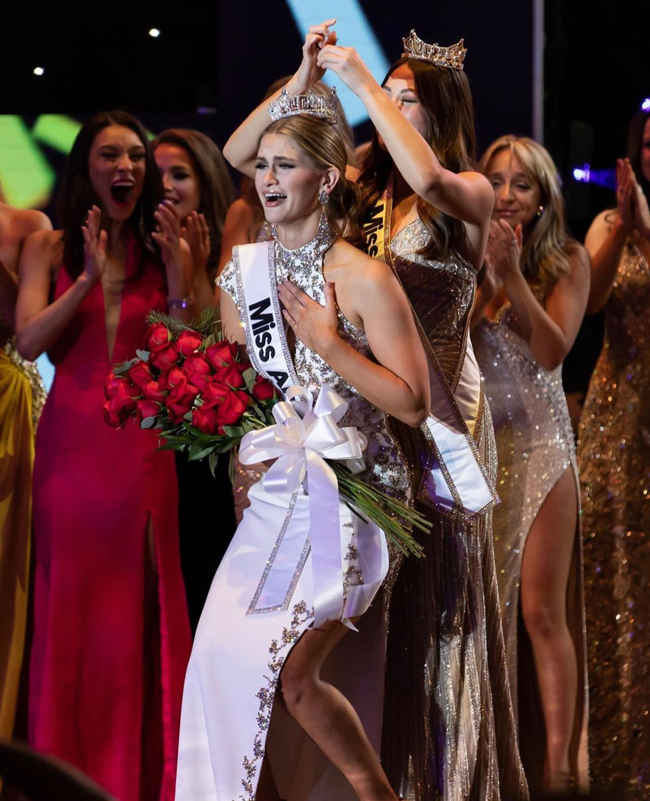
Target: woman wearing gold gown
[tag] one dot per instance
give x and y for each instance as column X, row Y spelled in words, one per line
column 533, row 302
column 614, row 460
column 21, row 398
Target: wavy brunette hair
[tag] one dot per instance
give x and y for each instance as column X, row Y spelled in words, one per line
column 217, row 191
column 635, row 148
column 77, row 195
column 548, row 246
column 448, row 109
column 324, row 146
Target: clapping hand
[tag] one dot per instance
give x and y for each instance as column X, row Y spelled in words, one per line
column 504, row 249
column 197, row 235
column 168, row 234
column 95, row 243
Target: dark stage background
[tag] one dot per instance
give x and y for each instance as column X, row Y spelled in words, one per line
column 212, row 62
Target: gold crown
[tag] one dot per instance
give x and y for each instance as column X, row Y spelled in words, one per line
column 325, row 107
column 451, row 57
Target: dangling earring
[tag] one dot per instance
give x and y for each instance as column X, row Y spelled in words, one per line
column 540, row 211
column 323, row 198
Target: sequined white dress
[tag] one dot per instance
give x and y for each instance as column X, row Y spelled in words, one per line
column 535, row 447
column 237, row 657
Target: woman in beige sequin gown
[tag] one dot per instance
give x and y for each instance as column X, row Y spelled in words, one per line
column 614, row 458
column 533, row 301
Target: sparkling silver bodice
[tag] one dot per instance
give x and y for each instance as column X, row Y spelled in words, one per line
column 386, row 467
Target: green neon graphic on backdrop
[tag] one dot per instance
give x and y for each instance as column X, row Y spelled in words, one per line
column 26, row 178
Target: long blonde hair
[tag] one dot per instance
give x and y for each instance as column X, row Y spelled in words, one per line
column 546, row 251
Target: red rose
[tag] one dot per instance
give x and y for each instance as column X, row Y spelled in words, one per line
column 197, row 363
column 221, row 354
column 117, row 384
column 232, row 407
column 146, row 408
column 231, row 375
column 170, row 378
column 151, row 391
column 157, row 334
column 214, row 393
column 164, row 356
column 180, row 400
column 119, row 407
column 263, row 389
column 205, row 419
column 188, row 342
column 139, row 374
column 200, row 381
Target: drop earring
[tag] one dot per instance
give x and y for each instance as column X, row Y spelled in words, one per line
column 323, row 198
column 540, row 211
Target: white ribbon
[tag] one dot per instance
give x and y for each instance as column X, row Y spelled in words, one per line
column 305, row 434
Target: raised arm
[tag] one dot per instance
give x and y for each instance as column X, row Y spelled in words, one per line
column 609, row 232
column 398, row 382
column 40, row 323
column 466, row 196
column 241, row 149
column 551, row 330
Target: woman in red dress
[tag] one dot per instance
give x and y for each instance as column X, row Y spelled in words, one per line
column 111, row 634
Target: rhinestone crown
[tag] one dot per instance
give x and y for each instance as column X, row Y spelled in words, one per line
column 325, row 107
column 451, row 57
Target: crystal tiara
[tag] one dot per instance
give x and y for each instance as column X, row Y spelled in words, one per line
column 451, row 57
column 325, row 107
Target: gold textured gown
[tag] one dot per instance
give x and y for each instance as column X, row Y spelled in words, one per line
column 535, row 447
column 614, row 459
column 21, row 399
column 448, row 700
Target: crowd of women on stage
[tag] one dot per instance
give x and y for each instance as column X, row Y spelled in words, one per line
column 439, row 297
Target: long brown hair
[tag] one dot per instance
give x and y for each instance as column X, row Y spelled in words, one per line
column 77, row 195
column 217, row 191
column 546, row 251
column 635, row 148
column 324, row 146
column 446, row 101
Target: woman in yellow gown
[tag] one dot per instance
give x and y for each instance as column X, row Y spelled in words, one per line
column 21, row 398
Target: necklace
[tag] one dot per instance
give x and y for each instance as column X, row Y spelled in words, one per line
column 302, row 260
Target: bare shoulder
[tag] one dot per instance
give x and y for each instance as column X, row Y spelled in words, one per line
column 240, row 211
column 579, row 260
column 348, row 262
column 28, row 221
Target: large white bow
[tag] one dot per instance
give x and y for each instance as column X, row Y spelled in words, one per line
column 305, row 434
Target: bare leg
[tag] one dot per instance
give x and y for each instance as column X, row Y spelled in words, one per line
column 328, row 717
column 266, row 789
column 544, row 579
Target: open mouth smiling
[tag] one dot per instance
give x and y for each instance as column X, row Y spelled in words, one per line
column 122, row 193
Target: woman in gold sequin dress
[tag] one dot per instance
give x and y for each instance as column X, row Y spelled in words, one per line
column 614, row 460
column 533, row 303
column 21, row 399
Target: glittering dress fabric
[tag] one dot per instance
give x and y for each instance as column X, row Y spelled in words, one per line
column 229, row 719
column 453, row 735
column 535, row 447
column 614, row 460
column 21, row 399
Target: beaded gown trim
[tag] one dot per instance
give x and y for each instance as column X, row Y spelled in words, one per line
column 614, row 459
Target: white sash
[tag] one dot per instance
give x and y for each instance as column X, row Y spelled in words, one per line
column 305, row 435
column 455, row 481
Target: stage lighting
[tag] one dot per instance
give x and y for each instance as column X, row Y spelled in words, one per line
column 604, row 178
column 645, row 106
column 154, row 32
column 38, row 71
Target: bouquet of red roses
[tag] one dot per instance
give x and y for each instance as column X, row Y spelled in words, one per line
column 192, row 386
column 202, row 397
